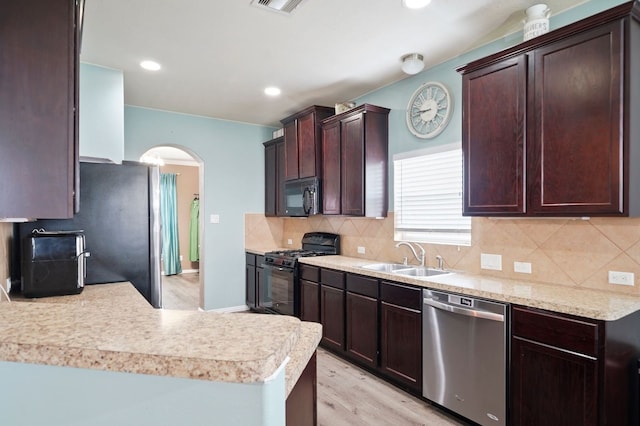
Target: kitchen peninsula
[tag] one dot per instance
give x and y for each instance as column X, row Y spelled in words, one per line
column 107, row 357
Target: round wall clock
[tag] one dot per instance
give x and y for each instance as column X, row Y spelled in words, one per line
column 429, row 110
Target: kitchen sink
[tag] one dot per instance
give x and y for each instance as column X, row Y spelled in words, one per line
column 408, row 270
column 386, row 267
column 421, row 272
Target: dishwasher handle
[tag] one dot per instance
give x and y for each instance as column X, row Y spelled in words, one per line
column 464, row 311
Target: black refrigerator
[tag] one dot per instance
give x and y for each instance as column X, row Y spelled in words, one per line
column 120, row 216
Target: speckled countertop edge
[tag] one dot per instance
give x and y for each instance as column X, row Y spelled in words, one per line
column 564, row 299
column 310, row 335
column 108, row 328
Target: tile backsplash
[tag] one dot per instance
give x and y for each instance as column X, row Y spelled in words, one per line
column 571, row 252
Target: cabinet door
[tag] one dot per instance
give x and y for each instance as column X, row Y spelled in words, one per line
column 270, row 180
column 575, row 158
column 401, row 344
column 38, row 128
column 352, row 165
column 551, row 386
column 291, row 150
column 362, row 329
column 280, row 178
column 493, row 138
column 309, row 301
column 307, row 146
column 332, row 317
column 331, row 166
column 250, row 281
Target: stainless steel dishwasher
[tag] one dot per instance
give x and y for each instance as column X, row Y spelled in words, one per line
column 464, row 355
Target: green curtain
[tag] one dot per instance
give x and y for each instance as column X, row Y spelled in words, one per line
column 169, row 219
column 194, row 243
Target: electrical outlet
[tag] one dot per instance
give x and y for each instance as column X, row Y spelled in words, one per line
column 522, row 267
column 491, row 261
column 8, row 286
column 361, row 250
column 290, row 241
column 180, row 258
column 621, row 278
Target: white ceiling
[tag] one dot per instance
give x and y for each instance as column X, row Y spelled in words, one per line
column 218, row 56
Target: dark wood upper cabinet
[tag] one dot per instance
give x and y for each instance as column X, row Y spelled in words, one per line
column 303, row 156
column 493, row 140
column 274, row 177
column 549, row 127
column 38, row 108
column 355, row 151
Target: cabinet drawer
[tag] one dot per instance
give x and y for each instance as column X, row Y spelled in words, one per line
column 332, row 278
column 250, row 259
column 553, row 329
column 310, row 273
column 362, row 285
column 259, row 261
column 401, row 295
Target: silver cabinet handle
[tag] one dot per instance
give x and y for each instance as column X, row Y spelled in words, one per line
column 463, row 311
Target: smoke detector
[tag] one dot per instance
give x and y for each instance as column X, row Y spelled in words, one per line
column 279, row 6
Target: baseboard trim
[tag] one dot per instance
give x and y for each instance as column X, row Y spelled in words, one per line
column 241, row 308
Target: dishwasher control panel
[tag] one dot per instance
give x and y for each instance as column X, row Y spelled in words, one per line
column 461, row 300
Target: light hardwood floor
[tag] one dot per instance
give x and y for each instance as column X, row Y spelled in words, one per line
column 350, row 396
column 347, row 395
column 181, row 292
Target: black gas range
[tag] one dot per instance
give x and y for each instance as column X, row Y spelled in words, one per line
column 279, row 289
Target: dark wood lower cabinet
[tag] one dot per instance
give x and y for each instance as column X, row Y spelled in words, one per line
column 552, row 387
column 567, row 370
column 401, row 344
column 302, row 403
column 309, row 301
column 332, row 302
column 362, row 329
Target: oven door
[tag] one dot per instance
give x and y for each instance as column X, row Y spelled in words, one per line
column 276, row 291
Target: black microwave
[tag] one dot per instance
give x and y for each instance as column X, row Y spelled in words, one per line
column 302, row 197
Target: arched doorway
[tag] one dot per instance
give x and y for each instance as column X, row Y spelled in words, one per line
column 182, row 285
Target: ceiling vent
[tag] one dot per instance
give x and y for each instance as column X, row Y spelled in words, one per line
column 280, row 6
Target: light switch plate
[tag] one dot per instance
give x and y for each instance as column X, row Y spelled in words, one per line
column 290, row 241
column 522, row 267
column 214, row 218
column 491, row 261
column 361, row 250
column 621, row 278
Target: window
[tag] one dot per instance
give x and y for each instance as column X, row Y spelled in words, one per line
column 428, row 197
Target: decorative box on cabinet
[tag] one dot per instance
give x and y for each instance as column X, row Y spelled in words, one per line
column 274, row 177
column 534, row 145
column 571, row 370
column 38, row 108
column 302, row 153
column 355, row 155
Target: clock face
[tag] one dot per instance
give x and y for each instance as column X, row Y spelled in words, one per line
column 429, row 110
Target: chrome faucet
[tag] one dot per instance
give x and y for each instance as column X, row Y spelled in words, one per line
column 440, row 262
column 419, row 258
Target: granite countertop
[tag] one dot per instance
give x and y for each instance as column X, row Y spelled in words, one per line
column 111, row 327
column 586, row 303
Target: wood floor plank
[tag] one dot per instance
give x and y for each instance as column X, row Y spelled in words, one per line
column 181, row 292
column 350, row 396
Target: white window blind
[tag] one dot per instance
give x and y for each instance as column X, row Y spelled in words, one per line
column 428, row 197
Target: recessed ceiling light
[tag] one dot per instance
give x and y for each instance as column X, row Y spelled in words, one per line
column 272, row 91
column 415, row 4
column 150, row 65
